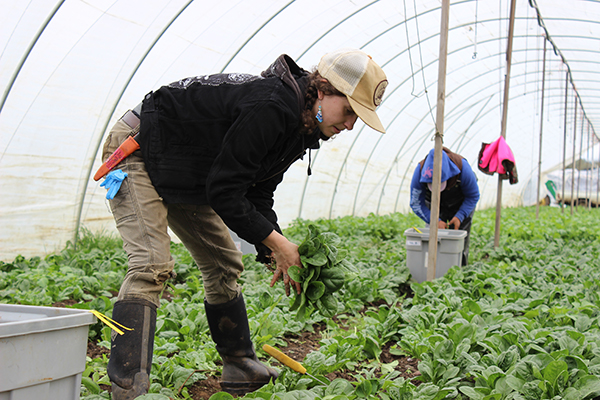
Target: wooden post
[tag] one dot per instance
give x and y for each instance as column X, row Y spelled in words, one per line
column 511, row 28
column 578, row 163
column 573, row 161
column 562, row 199
column 598, row 185
column 589, row 180
column 439, row 135
column 537, row 203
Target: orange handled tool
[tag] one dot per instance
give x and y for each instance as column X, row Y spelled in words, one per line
column 125, row 149
column 287, row 361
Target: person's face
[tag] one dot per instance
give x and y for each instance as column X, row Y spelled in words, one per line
column 337, row 114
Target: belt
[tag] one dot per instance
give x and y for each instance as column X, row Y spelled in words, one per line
column 132, row 120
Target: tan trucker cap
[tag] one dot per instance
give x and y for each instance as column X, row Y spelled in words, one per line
column 355, row 74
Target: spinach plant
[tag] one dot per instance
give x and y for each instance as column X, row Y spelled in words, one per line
column 324, row 273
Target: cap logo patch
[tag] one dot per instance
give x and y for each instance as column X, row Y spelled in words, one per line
column 379, row 90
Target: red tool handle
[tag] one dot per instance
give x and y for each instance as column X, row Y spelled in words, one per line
column 125, row 149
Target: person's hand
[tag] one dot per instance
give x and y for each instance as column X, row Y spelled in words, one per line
column 454, row 221
column 287, row 281
column 441, row 224
column 285, row 254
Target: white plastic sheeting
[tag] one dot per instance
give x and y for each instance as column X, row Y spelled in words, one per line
column 69, row 69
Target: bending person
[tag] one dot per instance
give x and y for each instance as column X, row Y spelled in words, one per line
column 212, row 151
column 458, row 198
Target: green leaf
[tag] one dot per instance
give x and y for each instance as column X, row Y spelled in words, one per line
column 583, row 323
column 327, row 305
column 333, row 278
column 318, row 259
column 315, row 290
column 301, row 313
column 297, row 302
column 90, row 385
column 588, row 385
column 309, row 277
column 306, row 248
column 574, row 362
column 363, row 389
column 372, row 347
column 571, row 393
column 508, row 358
column 339, row 386
column 344, row 263
column 444, row 350
column 515, row 383
column 295, row 273
column 491, row 375
column 330, row 238
column 297, row 394
column 472, row 306
column 502, row 386
column 495, row 396
column 221, row 396
column 176, row 311
column 471, row 393
column 338, row 397
column 184, row 330
column 553, row 371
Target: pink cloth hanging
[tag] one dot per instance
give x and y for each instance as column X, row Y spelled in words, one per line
column 498, row 157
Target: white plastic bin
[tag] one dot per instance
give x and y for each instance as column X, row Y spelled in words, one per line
column 449, row 252
column 42, row 352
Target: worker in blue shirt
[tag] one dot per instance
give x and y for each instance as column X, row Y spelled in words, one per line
column 458, row 198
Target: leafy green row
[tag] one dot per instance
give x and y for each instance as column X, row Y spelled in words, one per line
column 521, row 322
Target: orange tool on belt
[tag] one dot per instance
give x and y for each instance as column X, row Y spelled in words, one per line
column 125, row 149
column 287, row 361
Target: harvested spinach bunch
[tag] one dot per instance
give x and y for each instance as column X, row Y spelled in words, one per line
column 324, row 272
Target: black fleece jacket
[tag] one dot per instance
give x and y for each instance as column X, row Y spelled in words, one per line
column 226, row 140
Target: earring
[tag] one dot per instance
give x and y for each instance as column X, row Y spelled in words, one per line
column 319, row 115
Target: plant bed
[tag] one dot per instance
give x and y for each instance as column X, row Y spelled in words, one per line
column 520, row 321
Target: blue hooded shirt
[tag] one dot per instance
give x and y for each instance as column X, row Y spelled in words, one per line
column 449, row 169
column 421, row 177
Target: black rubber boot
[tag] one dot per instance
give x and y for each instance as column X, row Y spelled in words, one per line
column 242, row 372
column 131, row 353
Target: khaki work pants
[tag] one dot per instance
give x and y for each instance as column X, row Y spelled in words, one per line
column 142, row 218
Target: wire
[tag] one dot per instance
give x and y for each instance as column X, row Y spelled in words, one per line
column 412, row 71
column 533, row 4
column 422, row 68
column 476, row 19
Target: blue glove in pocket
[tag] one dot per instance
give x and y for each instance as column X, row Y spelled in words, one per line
column 112, row 183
